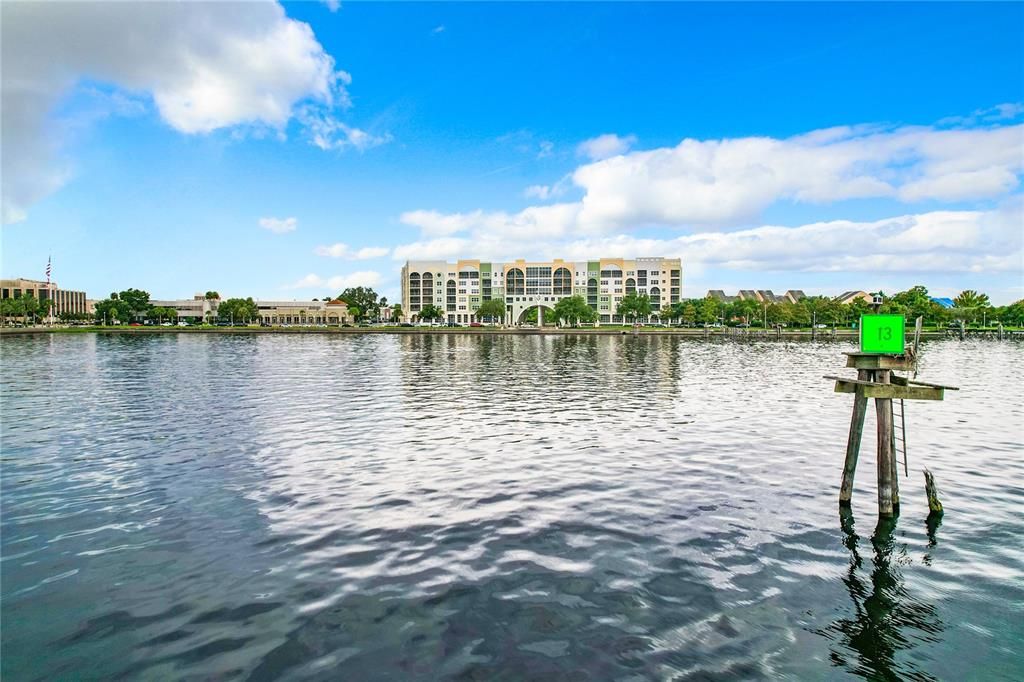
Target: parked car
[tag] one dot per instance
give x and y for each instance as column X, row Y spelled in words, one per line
column 407, row 324
column 475, row 324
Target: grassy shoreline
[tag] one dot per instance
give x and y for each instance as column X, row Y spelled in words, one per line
column 719, row 333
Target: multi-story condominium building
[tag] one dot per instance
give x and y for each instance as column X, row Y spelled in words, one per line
column 458, row 289
column 64, row 301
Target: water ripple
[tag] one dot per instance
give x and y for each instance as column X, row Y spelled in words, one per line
column 493, row 507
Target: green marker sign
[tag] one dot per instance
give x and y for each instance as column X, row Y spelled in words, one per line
column 882, row 334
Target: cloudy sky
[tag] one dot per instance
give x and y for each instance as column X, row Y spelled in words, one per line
column 289, row 151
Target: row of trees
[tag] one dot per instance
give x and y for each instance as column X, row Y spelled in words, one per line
column 969, row 307
column 29, row 308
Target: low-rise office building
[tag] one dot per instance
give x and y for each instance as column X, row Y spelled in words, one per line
column 304, row 312
column 458, row 289
column 64, row 300
column 197, row 308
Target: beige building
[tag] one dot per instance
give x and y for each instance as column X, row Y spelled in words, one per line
column 848, row 297
column 197, row 307
column 270, row 312
column 333, row 313
column 459, row 288
column 64, row 300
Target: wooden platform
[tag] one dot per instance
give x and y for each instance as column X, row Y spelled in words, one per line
column 900, row 388
column 876, row 361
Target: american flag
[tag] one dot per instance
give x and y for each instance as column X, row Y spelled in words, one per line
column 48, row 269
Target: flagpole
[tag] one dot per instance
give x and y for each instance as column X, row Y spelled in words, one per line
column 49, row 289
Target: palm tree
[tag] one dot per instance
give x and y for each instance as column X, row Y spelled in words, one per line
column 970, row 302
column 970, row 298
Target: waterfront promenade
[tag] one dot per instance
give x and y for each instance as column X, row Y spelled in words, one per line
column 716, row 333
column 694, row 333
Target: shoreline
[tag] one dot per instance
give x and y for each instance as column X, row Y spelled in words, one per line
column 697, row 333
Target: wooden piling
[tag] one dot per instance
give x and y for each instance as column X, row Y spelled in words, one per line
column 886, row 458
column 934, row 506
column 860, row 408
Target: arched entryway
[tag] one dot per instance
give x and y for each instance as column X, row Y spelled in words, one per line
column 545, row 315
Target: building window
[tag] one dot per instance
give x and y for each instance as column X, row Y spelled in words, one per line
column 515, row 282
column 562, row 282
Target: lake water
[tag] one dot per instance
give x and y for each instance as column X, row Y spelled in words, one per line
column 496, row 507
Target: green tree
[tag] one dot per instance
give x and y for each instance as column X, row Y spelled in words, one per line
column 1013, row 314
column 969, row 304
column 43, row 307
column 212, row 296
column 160, row 314
column 113, row 310
column 672, row 312
column 745, row 310
column 690, row 312
column 634, row 306
column 915, row 302
column 396, row 312
column 431, row 312
column 706, row 310
column 971, row 299
column 238, row 310
column 494, row 309
column 363, row 298
column 137, row 301
column 574, row 310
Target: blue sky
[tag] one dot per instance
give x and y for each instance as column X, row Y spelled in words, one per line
column 286, row 152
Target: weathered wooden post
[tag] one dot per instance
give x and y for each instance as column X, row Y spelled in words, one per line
column 934, row 506
column 860, row 408
column 888, row 498
column 882, row 352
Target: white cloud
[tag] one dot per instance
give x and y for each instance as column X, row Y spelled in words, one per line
column 438, row 29
column 326, row 131
column 605, row 146
column 435, row 224
column 365, row 278
column 938, row 241
column 332, row 5
column 340, row 250
column 546, row 149
column 721, row 183
column 999, row 112
column 729, row 182
column 279, row 225
column 433, row 249
column 541, row 192
column 533, row 222
column 206, row 66
column 545, row 192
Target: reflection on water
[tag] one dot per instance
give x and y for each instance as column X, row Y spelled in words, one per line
column 449, row 506
column 887, row 618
